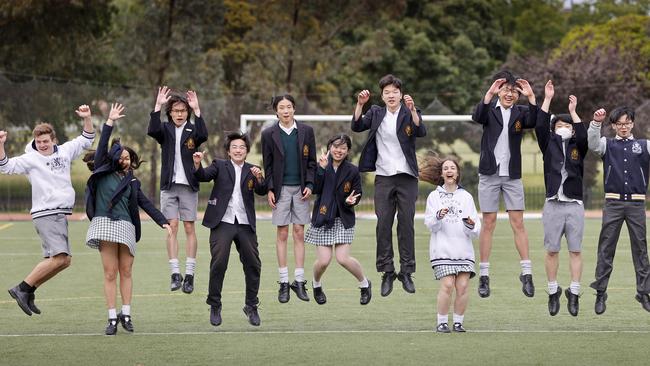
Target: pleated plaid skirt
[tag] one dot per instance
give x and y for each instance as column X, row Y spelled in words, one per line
column 451, row 270
column 337, row 234
column 116, row 231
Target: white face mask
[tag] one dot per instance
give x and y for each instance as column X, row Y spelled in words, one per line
column 565, row 132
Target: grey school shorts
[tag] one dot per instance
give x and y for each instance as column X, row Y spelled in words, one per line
column 560, row 218
column 179, row 202
column 290, row 208
column 53, row 230
column 491, row 186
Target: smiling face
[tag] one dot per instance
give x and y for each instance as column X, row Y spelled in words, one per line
column 450, row 172
column 125, row 160
column 339, row 150
column 391, row 95
column 237, row 151
column 44, row 144
column 285, row 110
column 508, row 95
column 623, row 126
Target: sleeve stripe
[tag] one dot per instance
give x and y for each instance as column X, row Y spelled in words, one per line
column 4, row 160
column 88, row 135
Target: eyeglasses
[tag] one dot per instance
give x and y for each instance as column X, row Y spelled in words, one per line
column 510, row 91
column 179, row 111
column 626, row 124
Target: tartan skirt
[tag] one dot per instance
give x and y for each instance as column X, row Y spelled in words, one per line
column 116, row 231
column 337, row 234
column 444, row 270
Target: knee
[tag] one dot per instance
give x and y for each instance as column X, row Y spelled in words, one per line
column 342, row 259
column 489, row 223
column 126, row 272
column 552, row 255
column 461, row 289
column 189, row 227
column 62, row 261
column 446, row 288
column 323, row 262
column 298, row 230
column 110, row 274
column 283, row 233
column 517, row 223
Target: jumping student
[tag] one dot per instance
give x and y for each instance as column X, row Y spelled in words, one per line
column 453, row 221
column 389, row 151
column 563, row 142
column 288, row 152
column 231, row 218
column 338, row 186
column 47, row 166
column 179, row 190
column 499, row 169
column 626, row 162
column 113, row 196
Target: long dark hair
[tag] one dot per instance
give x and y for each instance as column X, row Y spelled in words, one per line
column 89, row 157
column 430, row 168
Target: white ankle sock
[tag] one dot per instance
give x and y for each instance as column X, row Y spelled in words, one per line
column 484, row 268
column 458, row 318
column 174, row 266
column 443, row 318
column 190, row 264
column 126, row 309
column 284, row 274
column 316, row 284
column 299, row 274
column 526, row 267
column 574, row 287
column 552, row 287
column 112, row 313
column 364, row 283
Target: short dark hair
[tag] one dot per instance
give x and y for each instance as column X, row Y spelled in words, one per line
column 619, row 112
column 230, row 137
column 390, row 79
column 566, row 118
column 278, row 98
column 177, row 98
column 511, row 78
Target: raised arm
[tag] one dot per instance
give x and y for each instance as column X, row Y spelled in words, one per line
column 199, row 123
column 361, row 122
column 155, row 129
column 597, row 143
column 543, row 123
column 17, row 165
column 101, row 155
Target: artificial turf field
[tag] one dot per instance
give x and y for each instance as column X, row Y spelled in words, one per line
column 173, row 328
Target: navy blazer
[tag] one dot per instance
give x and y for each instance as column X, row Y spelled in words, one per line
column 107, row 162
column 572, row 158
column 223, row 174
column 273, row 157
column 521, row 117
column 407, row 131
column 347, row 180
column 192, row 137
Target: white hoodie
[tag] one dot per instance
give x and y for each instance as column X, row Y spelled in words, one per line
column 52, row 191
column 451, row 239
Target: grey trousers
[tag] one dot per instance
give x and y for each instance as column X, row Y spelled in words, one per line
column 614, row 214
column 396, row 193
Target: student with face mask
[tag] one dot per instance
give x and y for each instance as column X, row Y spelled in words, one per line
column 563, row 141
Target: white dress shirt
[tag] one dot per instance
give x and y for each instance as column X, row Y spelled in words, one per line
column 236, row 207
column 502, row 148
column 179, row 172
column 390, row 157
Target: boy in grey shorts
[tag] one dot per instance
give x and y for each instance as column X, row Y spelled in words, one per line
column 47, row 166
column 499, row 169
column 563, row 142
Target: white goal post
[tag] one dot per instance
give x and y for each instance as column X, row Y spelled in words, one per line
column 244, row 119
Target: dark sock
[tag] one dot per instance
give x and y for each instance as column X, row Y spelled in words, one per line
column 25, row 287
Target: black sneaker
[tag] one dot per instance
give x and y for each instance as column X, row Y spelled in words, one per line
column 111, row 327
column 484, row 286
column 125, row 320
column 387, row 280
column 300, row 290
column 177, row 281
column 253, row 316
column 527, row 286
column 407, row 282
column 31, row 305
column 458, row 327
column 600, row 306
column 319, row 295
column 188, row 284
column 554, row 301
column 572, row 302
column 215, row 315
column 283, row 292
column 366, row 294
column 644, row 299
column 22, row 298
column 443, row 328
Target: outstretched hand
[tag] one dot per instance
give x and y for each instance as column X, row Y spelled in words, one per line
column 549, row 90
column 599, row 115
column 83, row 111
column 163, row 96
column 573, row 103
column 116, row 111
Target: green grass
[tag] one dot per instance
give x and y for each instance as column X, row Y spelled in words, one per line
column 173, row 328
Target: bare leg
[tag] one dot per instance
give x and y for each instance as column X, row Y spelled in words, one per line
column 575, row 266
column 47, row 268
column 350, row 263
column 190, row 233
column 462, row 297
column 444, row 294
column 485, row 238
column 323, row 258
column 126, row 267
column 281, row 245
column 551, row 262
column 519, row 231
column 299, row 245
column 109, row 254
column 172, row 241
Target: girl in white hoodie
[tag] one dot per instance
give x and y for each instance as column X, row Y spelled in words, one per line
column 453, row 221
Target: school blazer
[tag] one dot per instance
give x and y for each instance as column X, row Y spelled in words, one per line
column 407, row 132
column 273, row 157
column 347, row 180
column 572, row 158
column 521, row 117
column 222, row 173
column 192, row 137
column 107, row 162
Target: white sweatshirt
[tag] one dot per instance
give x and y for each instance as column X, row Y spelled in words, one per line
column 451, row 239
column 52, row 191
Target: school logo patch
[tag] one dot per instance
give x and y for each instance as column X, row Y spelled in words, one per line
column 57, row 164
column 346, row 187
column 636, row 148
column 190, row 144
column 323, row 210
column 408, row 130
column 517, row 126
column 250, row 184
column 574, row 154
column 305, row 151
